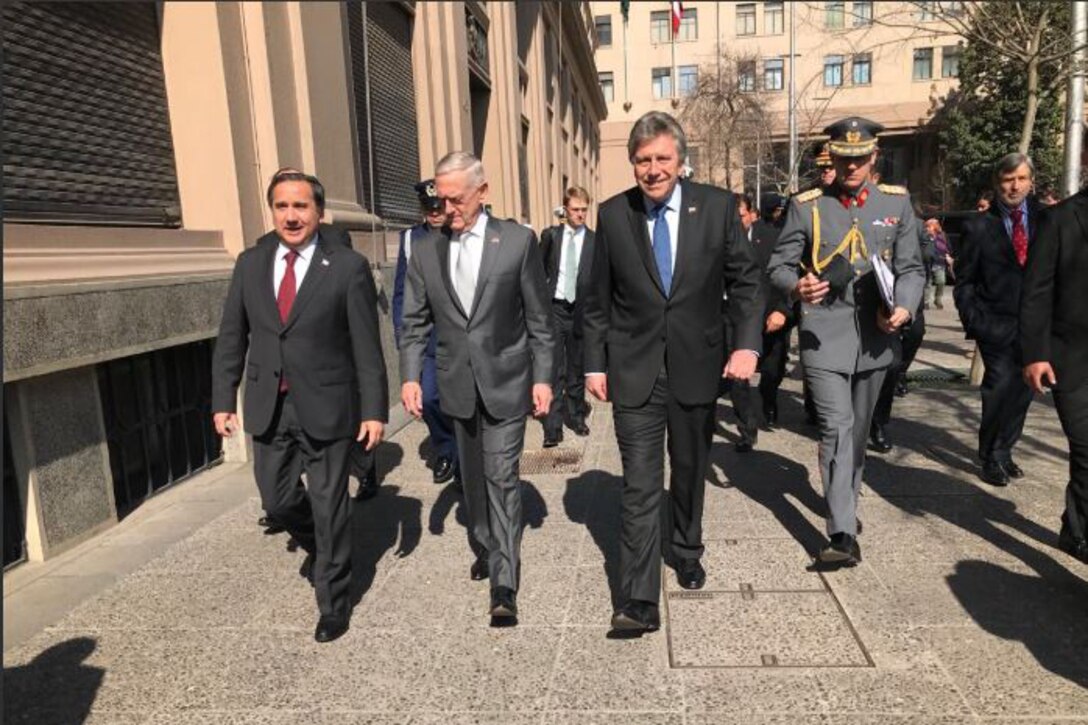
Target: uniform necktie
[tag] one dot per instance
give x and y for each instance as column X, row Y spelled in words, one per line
column 570, row 267
column 464, row 276
column 285, row 298
column 1019, row 236
column 662, row 248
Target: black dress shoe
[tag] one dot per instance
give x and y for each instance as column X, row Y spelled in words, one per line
column 271, row 526
column 747, row 440
column 901, row 386
column 690, row 574
column 1013, row 470
column 443, row 470
column 637, row 616
column 860, row 527
column 306, row 570
column 551, row 440
column 479, row 569
column 842, row 550
column 579, row 427
column 368, row 486
column 770, row 418
column 1075, row 547
column 878, row 439
column 330, row 627
column 994, row 473
column 504, row 603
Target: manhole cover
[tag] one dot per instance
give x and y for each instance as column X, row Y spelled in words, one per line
column 551, row 460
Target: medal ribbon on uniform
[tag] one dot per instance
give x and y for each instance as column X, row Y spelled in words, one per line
column 854, row 241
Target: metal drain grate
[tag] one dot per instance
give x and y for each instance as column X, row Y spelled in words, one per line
column 551, row 460
column 939, row 378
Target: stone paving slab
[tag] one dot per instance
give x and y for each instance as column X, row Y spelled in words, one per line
column 961, row 612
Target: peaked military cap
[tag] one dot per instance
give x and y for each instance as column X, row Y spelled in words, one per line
column 823, row 159
column 853, row 136
column 428, row 196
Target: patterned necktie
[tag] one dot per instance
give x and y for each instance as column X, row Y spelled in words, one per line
column 1019, row 236
column 570, row 267
column 464, row 275
column 662, row 247
column 285, row 297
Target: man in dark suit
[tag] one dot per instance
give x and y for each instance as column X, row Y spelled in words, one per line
column 567, row 250
column 306, row 313
column 478, row 284
column 1054, row 340
column 666, row 252
column 779, row 313
column 989, row 276
column 438, row 423
column 762, row 237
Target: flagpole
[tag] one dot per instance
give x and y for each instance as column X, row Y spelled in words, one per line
column 791, row 108
column 626, row 92
column 673, row 30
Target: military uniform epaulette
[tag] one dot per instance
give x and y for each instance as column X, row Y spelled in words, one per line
column 807, row 196
column 892, row 189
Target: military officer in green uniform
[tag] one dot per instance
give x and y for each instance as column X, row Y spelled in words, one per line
column 848, row 335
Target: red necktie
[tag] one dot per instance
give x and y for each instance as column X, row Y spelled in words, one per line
column 285, row 298
column 1019, row 236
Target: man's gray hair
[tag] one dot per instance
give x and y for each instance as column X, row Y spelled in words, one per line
column 461, row 161
column 654, row 124
column 1010, row 163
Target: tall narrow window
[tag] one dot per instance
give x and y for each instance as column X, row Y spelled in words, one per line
column 660, row 26
column 835, row 15
column 604, row 30
column 689, row 25
column 746, row 76
column 661, row 80
column 774, row 18
column 923, row 11
column 746, row 19
column 608, row 85
column 833, row 70
column 923, row 64
column 863, row 69
column 863, row 14
column 688, row 79
column 950, row 61
column 773, row 74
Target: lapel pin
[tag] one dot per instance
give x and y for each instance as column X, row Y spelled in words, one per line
column 325, row 262
column 692, row 209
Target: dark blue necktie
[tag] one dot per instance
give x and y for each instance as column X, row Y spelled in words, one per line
column 662, row 247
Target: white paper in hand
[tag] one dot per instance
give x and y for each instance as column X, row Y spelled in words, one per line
column 885, row 281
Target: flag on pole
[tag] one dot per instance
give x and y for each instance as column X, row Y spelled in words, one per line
column 677, row 15
column 625, row 8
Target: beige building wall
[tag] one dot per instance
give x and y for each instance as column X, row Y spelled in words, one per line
column 892, row 98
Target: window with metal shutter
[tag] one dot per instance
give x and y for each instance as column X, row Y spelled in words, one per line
column 385, row 107
column 86, row 133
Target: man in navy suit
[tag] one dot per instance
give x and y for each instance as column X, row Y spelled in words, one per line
column 443, row 442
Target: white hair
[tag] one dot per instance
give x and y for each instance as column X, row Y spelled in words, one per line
column 461, row 161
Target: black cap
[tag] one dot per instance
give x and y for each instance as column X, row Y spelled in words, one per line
column 428, row 197
column 770, row 202
column 853, row 136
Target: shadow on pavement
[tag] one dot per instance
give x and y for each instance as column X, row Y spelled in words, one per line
column 1045, row 614
column 55, row 688
column 386, row 521
column 774, row 482
column 593, row 500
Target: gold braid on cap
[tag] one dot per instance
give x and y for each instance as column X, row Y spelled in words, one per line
column 854, row 241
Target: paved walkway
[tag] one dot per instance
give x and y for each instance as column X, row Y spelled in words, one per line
column 962, row 610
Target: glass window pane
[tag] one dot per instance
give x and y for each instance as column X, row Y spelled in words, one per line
column 833, row 70
column 923, row 64
column 608, row 86
column 688, row 79
column 662, row 82
column 746, row 19
column 863, row 13
column 863, row 69
column 950, row 61
column 689, row 25
column 660, row 26
column 604, row 30
column 836, row 14
column 773, row 18
column 773, row 74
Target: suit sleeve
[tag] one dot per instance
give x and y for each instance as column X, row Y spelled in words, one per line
column 538, row 313
column 546, row 238
column 366, row 345
column 966, row 279
column 597, row 315
column 782, row 269
column 910, row 274
column 230, row 346
column 1037, row 297
column 417, row 321
column 398, row 285
column 743, row 285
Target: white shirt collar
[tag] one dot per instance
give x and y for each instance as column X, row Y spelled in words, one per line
column 671, row 204
column 306, row 251
column 477, row 229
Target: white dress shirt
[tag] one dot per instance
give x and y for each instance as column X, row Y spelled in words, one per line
column 672, row 219
column 561, row 276
column 471, row 240
column 279, row 268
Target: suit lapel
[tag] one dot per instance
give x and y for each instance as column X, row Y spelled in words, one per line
column 585, row 260
column 636, row 216
column 686, row 216
column 315, row 276
column 442, row 246
column 488, row 254
column 1080, row 209
column 268, row 280
column 1001, row 235
column 556, row 249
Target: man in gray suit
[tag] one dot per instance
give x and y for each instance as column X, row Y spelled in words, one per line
column 848, row 336
column 480, row 286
